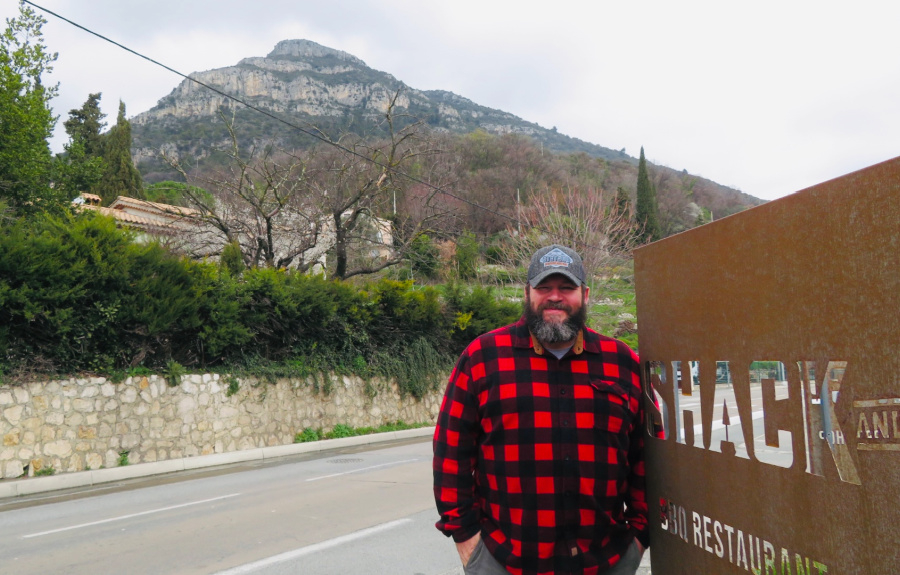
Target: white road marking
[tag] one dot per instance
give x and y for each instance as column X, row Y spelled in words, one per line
column 287, row 556
column 698, row 429
column 111, row 519
column 362, row 469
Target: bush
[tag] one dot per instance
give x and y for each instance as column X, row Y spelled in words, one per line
column 424, row 258
column 477, row 310
column 308, row 435
column 79, row 295
column 467, row 250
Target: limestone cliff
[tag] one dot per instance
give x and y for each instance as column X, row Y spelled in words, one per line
column 312, row 85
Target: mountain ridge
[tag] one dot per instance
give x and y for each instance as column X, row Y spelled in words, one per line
column 300, row 77
column 328, row 89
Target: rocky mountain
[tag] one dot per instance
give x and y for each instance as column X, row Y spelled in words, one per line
column 309, row 84
column 312, row 85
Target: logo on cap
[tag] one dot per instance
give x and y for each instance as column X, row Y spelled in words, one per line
column 556, row 258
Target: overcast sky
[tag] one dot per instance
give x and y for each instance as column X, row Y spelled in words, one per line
column 769, row 97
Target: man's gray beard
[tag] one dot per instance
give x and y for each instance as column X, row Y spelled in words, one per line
column 552, row 332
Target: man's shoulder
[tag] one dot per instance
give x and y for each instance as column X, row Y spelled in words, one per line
column 512, row 335
column 599, row 343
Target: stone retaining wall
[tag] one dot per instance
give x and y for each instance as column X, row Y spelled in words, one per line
column 80, row 424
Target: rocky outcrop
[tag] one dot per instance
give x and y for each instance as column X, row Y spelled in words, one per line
column 312, row 85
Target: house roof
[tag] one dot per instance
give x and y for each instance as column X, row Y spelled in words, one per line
column 123, row 202
column 141, row 214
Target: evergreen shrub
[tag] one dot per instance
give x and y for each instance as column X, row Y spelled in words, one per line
column 79, row 295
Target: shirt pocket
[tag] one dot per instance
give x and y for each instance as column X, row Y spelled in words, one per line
column 605, row 406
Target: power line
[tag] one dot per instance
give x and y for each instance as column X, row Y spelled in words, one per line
column 317, row 134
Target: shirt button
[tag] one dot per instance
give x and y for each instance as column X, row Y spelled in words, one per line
column 565, row 422
column 562, row 391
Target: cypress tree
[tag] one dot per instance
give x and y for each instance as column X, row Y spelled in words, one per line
column 80, row 168
column 120, row 177
column 85, row 125
column 647, row 206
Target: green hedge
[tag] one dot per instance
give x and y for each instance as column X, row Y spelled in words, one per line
column 77, row 294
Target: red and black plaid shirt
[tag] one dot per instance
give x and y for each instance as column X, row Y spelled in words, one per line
column 543, row 457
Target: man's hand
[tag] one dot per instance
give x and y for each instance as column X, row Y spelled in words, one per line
column 466, row 548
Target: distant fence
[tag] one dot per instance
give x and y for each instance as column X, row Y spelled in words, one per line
column 809, row 286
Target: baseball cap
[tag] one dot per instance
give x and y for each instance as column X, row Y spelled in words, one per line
column 555, row 259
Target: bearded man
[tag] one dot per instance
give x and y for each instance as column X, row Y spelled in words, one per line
column 539, row 446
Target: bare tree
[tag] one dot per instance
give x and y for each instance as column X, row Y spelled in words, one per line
column 259, row 201
column 358, row 186
column 598, row 228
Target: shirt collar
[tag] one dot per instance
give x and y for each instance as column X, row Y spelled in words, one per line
column 577, row 347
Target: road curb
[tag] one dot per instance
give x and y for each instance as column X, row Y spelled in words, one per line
column 29, row 486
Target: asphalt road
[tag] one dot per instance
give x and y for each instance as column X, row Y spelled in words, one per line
column 356, row 510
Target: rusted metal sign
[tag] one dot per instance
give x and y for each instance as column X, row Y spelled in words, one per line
column 771, row 340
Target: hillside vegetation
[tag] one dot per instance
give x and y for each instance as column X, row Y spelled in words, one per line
column 382, row 250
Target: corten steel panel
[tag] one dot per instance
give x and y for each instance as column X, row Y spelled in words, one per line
column 812, row 277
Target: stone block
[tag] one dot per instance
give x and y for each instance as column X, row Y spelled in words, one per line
column 33, row 423
column 75, row 419
column 21, row 395
column 13, row 469
column 13, row 414
column 93, row 461
column 131, row 440
column 172, row 430
column 82, row 405
column 60, row 448
column 108, row 390
column 187, row 405
column 128, row 395
column 12, row 438
column 6, row 398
